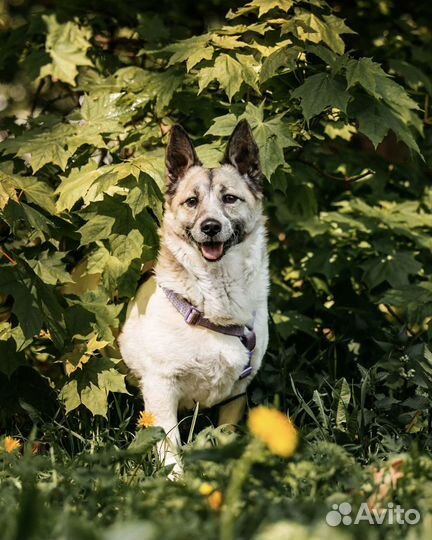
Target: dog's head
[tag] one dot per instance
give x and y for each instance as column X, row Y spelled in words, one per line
column 213, row 209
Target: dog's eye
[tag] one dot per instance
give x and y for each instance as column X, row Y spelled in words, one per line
column 191, row 202
column 229, row 199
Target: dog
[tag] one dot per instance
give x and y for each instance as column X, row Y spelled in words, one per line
column 197, row 332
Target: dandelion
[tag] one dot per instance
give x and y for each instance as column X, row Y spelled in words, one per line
column 215, row 500
column 275, row 429
column 11, row 444
column 146, row 419
column 206, row 489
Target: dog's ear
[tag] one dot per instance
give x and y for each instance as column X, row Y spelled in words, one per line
column 242, row 152
column 180, row 155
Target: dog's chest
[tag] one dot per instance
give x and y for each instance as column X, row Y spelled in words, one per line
column 209, row 376
column 204, row 365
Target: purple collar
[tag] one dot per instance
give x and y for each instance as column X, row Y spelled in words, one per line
column 194, row 317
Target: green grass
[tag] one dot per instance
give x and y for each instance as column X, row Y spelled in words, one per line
column 77, row 478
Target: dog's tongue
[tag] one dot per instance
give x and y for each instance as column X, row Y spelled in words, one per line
column 212, row 251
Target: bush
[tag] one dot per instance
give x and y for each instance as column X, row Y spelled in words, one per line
column 338, row 100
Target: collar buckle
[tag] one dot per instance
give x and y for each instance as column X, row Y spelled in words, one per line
column 246, row 372
column 248, row 339
column 193, row 315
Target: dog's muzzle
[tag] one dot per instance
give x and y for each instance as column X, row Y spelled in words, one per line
column 214, row 249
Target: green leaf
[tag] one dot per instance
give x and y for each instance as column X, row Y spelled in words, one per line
column 96, row 228
column 376, row 82
column 7, row 191
column 127, row 248
column 198, row 55
column 76, row 185
column 319, row 92
column 7, row 187
column 375, row 120
column 290, row 322
column 394, row 269
column 328, row 29
column 250, row 70
column 210, row 154
column 67, row 45
column 51, row 143
column 272, row 136
column 160, row 86
column 106, row 314
column 195, row 47
column 101, row 114
column 50, row 268
column 70, row 396
column 413, row 76
column 89, row 181
column 145, row 440
column 284, row 57
column 16, row 213
column 364, row 72
column 263, row 7
column 272, row 155
column 146, row 194
column 323, row 415
column 227, row 42
column 223, row 125
column 35, row 190
column 408, row 294
column 115, row 263
column 227, row 71
column 342, row 398
column 24, row 305
column 95, row 399
column 90, row 385
column 34, row 303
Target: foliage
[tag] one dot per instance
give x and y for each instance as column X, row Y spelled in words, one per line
column 338, row 99
column 110, row 492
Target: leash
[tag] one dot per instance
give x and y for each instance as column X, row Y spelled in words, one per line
column 195, row 317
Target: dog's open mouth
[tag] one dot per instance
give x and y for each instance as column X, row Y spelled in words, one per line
column 212, row 251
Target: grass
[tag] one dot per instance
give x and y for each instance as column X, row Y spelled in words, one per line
column 95, row 479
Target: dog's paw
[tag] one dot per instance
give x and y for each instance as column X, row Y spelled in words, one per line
column 174, row 465
column 176, row 472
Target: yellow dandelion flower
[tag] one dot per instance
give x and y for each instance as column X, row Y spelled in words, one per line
column 215, row 500
column 206, row 489
column 146, row 419
column 10, row 444
column 275, row 429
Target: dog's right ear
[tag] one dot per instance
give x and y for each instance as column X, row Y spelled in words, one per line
column 180, row 155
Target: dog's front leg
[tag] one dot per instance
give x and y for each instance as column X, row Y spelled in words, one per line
column 232, row 412
column 161, row 399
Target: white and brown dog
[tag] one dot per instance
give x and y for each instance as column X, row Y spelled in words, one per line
column 198, row 331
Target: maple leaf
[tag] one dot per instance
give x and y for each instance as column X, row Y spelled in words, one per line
column 67, row 45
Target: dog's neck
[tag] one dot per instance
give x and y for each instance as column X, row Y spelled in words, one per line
column 228, row 291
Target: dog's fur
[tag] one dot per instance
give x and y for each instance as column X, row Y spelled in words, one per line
column 179, row 364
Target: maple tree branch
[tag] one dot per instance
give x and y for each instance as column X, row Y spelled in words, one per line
column 346, row 179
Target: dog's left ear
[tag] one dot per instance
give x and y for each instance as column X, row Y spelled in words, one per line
column 180, row 155
column 242, row 152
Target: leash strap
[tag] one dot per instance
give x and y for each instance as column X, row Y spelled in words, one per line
column 194, row 317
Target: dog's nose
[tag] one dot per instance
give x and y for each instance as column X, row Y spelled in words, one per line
column 210, row 227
